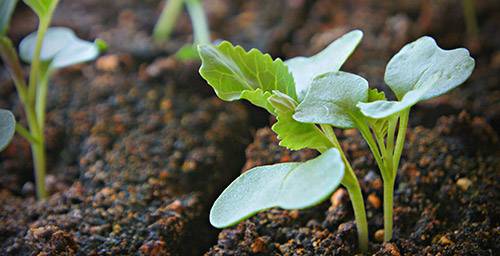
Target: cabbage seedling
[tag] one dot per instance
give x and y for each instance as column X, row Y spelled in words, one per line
column 237, row 74
column 47, row 49
column 419, row 71
column 167, row 21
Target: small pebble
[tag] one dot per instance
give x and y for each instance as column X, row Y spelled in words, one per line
column 379, row 235
column 445, row 241
column 374, row 200
column 464, row 184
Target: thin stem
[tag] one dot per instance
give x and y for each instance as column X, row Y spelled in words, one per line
column 41, row 99
column 199, row 21
column 26, row 134
column 351, row 183
column 367, row 135
column 166, row 22
column 470, row 18
column 358, row 206
column 9, row 56
column 38, row 151
column 388, row 208
column 400, row 140
column 391, row 130
column 35, row 62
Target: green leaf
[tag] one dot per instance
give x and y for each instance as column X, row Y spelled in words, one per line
column 332, row 99
column 40, row 7
column 7, row 128
column 285, row 185
column 230, row 70
column 292, row 134
column 422, row 62
column 61, row 48
column 6, row 9
column 382, row 108
column 374, row 95
column 304, row 69
column 188, row 52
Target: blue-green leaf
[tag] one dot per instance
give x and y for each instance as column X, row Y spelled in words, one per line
column 61, row 48
column 332, row 99
column 285, row 185
column 7, row 128
column 422, row 62
column 231, row 70
column 304, row 69
column 420, row 71
column 292, row 134
column 6, row 9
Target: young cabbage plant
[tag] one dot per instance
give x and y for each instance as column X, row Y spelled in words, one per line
column 47, row 49
column 7, row 128
column 237, row 74
column 420, row 71
column 167, row 21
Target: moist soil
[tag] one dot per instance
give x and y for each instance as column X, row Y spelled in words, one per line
column 139, row 148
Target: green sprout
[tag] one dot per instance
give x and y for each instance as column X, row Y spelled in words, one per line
column 309, row 103
column 237, row 74
column 420, row 71
column 168, row 19
column 47, row 49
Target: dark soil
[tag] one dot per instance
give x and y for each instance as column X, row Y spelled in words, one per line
column 147, row 158
column 139, row 148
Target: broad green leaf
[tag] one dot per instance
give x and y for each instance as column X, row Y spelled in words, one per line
column 419, row 62
column 292, row 134
column 40, row 7
column 6, row 9
column 305, row 69
column 231, row 70
column 61, row 48
column 7, row 128
column 383, row 108
column 332, row 99
column 285, row 185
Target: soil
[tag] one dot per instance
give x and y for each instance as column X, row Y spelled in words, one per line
column 139, row 148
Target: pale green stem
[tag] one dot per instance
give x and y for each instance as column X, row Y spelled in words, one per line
column 35, row 62
column 199, row 21
column 400, row 140
column 37, row 85
column 166, row 22
column 11, row 61
column 388, row 207
column 38, row 151
column 41, row 98
column 26, row 134
column 351, row 183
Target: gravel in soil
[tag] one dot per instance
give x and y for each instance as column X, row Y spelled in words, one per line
column 446, row 199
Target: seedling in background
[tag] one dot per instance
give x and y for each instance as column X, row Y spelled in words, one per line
column 47, row 50
column 168, row 19
column 237, row 74
column 420, row 71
